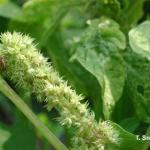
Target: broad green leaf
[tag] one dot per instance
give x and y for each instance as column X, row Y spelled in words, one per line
column 139, row 38
column 124, row 107
column 43, row 10
column 130, row 124
column 120, row 139
column 10, row 10
column 98, row 52
column 38, row 10
column 138, row 84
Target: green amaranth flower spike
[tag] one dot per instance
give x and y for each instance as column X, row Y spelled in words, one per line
column 27, row 68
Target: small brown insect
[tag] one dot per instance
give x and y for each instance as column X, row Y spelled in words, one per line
column 2, row 63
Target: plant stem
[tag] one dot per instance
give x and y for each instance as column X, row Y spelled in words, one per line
column 21, row 105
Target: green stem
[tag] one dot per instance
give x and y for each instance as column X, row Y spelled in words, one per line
column 52, row 139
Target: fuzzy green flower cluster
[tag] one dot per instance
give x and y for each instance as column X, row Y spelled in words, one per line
column 26, row 67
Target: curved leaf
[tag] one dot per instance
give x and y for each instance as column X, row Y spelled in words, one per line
column 98, row 52
column 138, row 84
column 139, row 38
column 120, row 139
